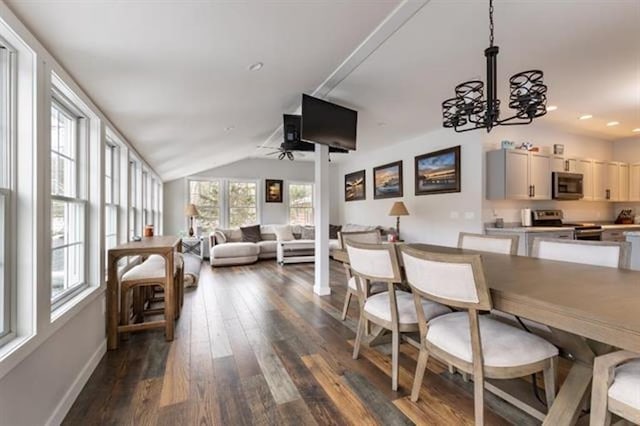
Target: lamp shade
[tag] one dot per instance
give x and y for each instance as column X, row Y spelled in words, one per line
column 191, row 210
column 399, row 209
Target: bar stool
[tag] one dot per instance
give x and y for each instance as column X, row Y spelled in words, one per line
column 139, row 279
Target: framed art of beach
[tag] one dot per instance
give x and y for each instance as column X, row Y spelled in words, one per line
column 355, row 186
column 387, row 181
column 438, row 172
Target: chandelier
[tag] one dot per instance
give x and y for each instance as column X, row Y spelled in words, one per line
column 470, row 111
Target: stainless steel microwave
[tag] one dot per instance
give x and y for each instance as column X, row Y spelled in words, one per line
column 567, row 186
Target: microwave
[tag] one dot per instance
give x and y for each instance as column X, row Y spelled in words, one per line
column 567, row 186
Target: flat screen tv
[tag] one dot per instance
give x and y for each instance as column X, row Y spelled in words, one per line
column 291, row 128
column 328, row 124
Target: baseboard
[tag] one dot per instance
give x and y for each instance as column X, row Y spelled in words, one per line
column 69, row 398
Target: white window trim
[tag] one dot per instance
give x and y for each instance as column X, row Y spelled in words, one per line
column 288, row 198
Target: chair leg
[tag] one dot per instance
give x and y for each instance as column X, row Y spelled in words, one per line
column 549, row 374
column 478, row 399
column 419, row 377
column 395, row 355
column 124, row 309
column 356, row 346
column 347, row 300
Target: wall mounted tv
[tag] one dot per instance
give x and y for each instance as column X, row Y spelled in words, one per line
column 291, row 128
column 328, row 124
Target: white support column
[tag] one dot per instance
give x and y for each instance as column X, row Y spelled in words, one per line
column 321, row 206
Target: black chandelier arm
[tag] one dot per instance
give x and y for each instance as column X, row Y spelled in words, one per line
column 509, row 122
column 458, row 130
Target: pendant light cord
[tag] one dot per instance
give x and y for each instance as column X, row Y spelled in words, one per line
column 491, row 23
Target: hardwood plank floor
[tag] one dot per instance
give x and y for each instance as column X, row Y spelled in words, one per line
column 256, row 346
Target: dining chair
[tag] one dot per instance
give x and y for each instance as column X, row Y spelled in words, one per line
column 475, row 344
column 501, row 244
column 392, row 309
column 616, row 388
column 611, row 254
column 369, row 237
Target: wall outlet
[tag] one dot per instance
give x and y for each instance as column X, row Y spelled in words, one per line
column 469, row 215
column 454, row 215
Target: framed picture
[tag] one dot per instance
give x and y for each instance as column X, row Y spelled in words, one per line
column 387, row 181
column 438, row 172
column 273, row 190
column 355, row 186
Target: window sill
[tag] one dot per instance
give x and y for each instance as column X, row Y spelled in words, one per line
column 16, row 350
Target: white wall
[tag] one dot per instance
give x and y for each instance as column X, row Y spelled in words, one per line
column 175, row 195
column 433, row 218
column 545, row 136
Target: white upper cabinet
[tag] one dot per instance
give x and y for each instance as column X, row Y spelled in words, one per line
column 612, row 181
column 585, row 167
column 634, row 182
column 599, row 181
column 623, row 179
column 562, row 164
column 518, row 175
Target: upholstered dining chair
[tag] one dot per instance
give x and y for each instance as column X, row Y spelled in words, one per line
column 368, row 237
column 616, row 388
column 599, row 253
column 475, row 344
column 501, row 244
column 392, row 309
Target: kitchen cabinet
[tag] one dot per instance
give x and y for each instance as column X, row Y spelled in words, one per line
column 518, row 175
column 585, row 167
column 613, row 235
column 562, row 164
column 634, row 182
column 623, row 179
column 599, row 182
column 612, row 181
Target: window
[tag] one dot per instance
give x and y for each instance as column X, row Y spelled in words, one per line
column 134, row 228
column 5, row 193
column 206, row 196
column 67, row 204
column 243, row 203
column 301, row 203
column 111, row 197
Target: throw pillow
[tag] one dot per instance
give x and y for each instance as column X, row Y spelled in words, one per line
column 333, row 231
column 308, row 233
column 251, row 234
column 220, row 237
column 283, row 233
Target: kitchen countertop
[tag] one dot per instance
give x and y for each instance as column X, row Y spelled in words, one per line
column 605, row 227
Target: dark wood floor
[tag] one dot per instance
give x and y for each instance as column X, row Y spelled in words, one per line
column 254, row 345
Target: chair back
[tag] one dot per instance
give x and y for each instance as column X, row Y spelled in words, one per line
column 367, row 237
column 600, row 253
column 501, row 244
column 456, row 280
column 375, row 262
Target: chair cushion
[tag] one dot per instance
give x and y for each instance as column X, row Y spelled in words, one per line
column 626, row 384
column 379, row 306
column 235, row 250
column 375, row 287
column 251, row 234
column 145, row 271
column 270, row 246
column 502, row 344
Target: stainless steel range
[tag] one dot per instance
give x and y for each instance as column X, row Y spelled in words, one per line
column 553, row 218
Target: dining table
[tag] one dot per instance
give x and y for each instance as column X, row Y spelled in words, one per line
column 590, row 310
column 164, row 246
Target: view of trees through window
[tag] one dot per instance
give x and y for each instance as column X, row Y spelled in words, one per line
column 301, row 204
column 206, row 196
column 243, row 203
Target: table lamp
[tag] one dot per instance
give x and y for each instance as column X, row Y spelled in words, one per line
column 191, row 211
column 398, row 209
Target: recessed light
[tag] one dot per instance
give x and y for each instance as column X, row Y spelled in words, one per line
column 636, row 130
column 612, row 123
column 585, row 117
column 552, row 108
column 256, row 67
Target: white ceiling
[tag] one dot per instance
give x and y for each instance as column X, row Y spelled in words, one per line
column 172, row 76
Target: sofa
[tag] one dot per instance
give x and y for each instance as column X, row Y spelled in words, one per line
column 226, row 247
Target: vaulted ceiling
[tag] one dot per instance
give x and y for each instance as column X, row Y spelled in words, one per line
column 174, row 78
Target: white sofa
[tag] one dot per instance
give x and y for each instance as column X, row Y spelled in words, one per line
column 234, row 251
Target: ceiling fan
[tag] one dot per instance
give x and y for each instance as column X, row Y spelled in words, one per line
column 282, row 152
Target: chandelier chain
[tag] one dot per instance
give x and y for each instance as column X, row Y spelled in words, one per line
column 491, row 23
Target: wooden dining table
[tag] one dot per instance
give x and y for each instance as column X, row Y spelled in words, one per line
column 590, row 309
column 160, row 245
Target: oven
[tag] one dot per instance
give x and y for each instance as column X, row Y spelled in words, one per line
column 567, row 186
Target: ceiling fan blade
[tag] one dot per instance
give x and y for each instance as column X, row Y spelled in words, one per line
column 281, row 156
